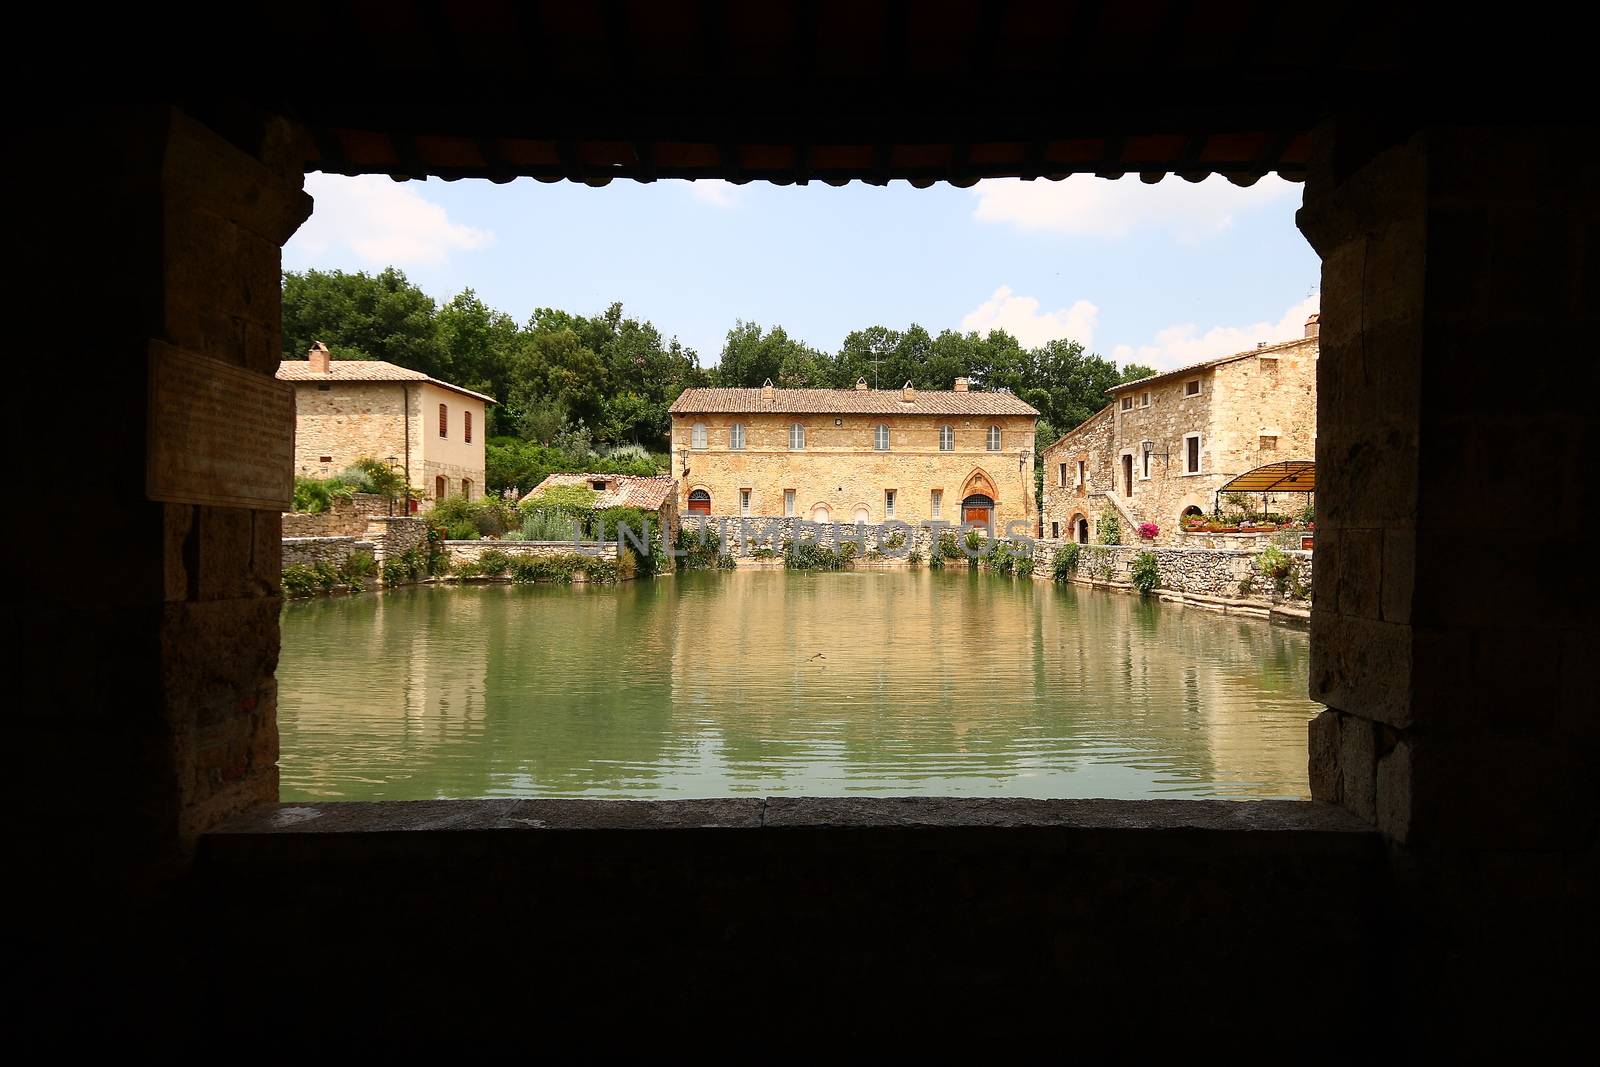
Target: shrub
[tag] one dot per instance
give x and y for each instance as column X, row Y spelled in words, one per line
column 607, row 526
column 527, row 568
column 541, row 525
column 701, row 548
column 574, row 500
column 1247, row 585
column 1149, row 531
column 949, row 547
column 973, row 542
column 466, row 568
column 355, row 569
column 895, row 540
column 1025, row 566
column 914, row 558
column 493, row 562
column 316, row 495
column 813, row 556
column 1146, row 572
column 468, row 520
column 1110, row 528
column 1066, row 562
column 299, row 580
column 1002, row 558
column 407, row 567
column 1273, row 564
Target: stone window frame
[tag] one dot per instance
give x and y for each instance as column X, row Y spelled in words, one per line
column 790, row 500
column 1262, row 439
column 992, row 440
column 736, row 437
column 697, row 435
column 1132, row 456
column 1083, row 474
column 746, row 495
column 1061, row 475
column 880, row 437
column 947, row 438
column 935, row 503
column 1144, row 464
column 888, row 504
column 1127, row 403
column 797, row 437
column 1144, row 399
column 1199, row 455
column 1199, row 387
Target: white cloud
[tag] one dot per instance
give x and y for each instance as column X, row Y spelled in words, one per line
column 1185, row 343
column 714, row 191
column 382, row 222
column 1020, row 317
column 1085, row 206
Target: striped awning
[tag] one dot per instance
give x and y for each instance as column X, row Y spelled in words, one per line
column 1290, row 476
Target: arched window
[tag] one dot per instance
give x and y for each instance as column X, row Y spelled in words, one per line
column 1083, row 531
column 994, row 439
column 862, row 515
column 947, row 439
column 699, row 502
column 444, row 421
column 880, row 437
column 697, row 436
column 977, row 508
column 797, row 436
column 820, row 513
column 466, row 488
column 440, row 487
column 736, row 437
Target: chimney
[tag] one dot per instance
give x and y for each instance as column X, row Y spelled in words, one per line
column 766, row 390
column 908, row 392
column 318, row 357
column 961, row 385
column 1313, row 324
column 861, row 385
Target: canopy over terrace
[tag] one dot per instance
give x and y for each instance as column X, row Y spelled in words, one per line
column 1288, row 476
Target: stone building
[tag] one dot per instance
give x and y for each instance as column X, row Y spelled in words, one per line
column 349, row 408
column 1165, row 444
column 856, row 455
column 657, row 496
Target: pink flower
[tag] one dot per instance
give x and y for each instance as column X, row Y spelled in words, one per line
column 1149, row 531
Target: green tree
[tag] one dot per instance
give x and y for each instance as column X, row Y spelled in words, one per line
column 362, row 316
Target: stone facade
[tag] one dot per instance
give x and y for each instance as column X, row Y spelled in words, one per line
column 840, row 474
column 1207, row 424
column 346, row 518
column 1206, row 577
column 333, row 550
column 396, row 420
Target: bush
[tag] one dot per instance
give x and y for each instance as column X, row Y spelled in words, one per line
column 701, row 548
column 468, row 520
column 562, row 569
column 299, row 580
column 357, row 566
column 1146, row 572
column 493, row 562
column 813, row 556
column 1025, row 566
column 316, row 495
column 574, row 500
column 914, row 557
column 949, row 546
column 1066, row 562
column 895, row 540
column 1110, row 528
column 1274, row 565
column 1149, row 531
column 1002, row 558
column 1247, row 585
column 541, row 525
column 973, row 542
column 406, row 567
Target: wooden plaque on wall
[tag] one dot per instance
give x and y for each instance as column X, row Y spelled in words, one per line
column 217, row 434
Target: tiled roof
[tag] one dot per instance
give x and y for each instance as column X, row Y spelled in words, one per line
column 1276, row 346
column 363, row 370
column 848, row 402
column 624, row 490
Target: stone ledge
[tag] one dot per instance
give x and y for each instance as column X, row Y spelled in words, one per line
column 1299, row 818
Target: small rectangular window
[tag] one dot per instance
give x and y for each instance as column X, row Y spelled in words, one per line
column 994, row 439
column 880, row 438
column 1269, row 443
column 797, row 437
column 947, row 439
column 1191, row 454
column 444, row 421
column 1062, row 476
column 888, row 503
column 1146, row 464
column 1191, row 387
column 1144, row 400
column 788, row 501
column 697, row 436
column 736, row 437
column 1081, row 466
column 1127, row 403
column 325, row 459
column 466, row 426
column 744, row 502
column 935, row 503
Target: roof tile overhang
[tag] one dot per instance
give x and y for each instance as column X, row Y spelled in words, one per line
column 850, row 402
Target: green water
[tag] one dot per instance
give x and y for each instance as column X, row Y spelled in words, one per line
column 701, row 685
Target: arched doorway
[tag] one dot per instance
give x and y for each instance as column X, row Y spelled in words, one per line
column 699, row 502
column 978, row 507
column 1078, row 529
column 862, row 515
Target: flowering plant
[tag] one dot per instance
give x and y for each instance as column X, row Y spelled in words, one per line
column 1149, row 530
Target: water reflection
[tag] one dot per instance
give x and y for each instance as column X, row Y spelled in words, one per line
column 771, row 682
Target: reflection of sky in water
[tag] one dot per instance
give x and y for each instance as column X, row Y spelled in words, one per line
column 751, row 683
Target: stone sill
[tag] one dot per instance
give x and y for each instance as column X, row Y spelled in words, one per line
column 1300, row 822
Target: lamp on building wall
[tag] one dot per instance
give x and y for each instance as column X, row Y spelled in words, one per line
column 683, row 460
column 1148, row 447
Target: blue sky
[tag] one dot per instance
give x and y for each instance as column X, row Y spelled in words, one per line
column 1164, row 274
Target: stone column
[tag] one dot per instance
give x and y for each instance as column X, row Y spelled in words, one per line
column 1453, row 629
column 149, row 641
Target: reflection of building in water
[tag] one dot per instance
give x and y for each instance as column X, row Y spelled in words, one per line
column 1200, row 696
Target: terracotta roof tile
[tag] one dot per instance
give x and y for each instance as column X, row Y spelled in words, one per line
column 364, row 370
column 849, row 402
column 1215, row 361
column 623, row 490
